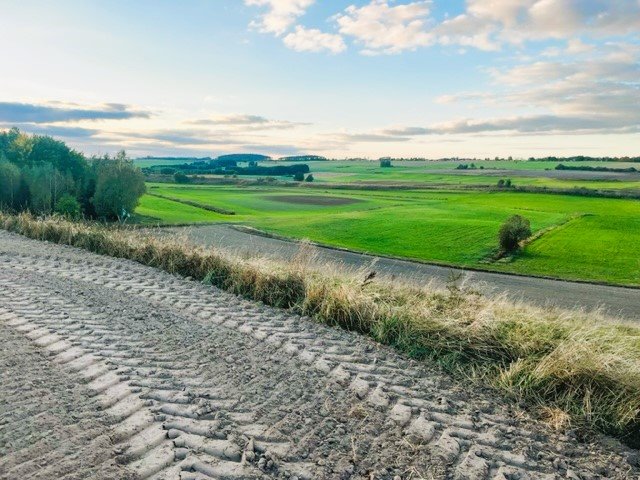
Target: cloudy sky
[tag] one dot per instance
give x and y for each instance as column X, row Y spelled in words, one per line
column 338, row 78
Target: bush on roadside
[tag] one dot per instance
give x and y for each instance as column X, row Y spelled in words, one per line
column 512, row 232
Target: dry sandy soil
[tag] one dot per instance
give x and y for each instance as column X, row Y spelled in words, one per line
column 110, row 370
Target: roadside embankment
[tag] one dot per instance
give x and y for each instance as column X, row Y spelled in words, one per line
column 577, row 369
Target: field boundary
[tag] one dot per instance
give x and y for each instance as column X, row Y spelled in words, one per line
column 256, row 231
column 191, row 203
column 506, row 257
column 558, row 226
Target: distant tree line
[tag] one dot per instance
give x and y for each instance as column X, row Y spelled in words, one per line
column 589, row 168
column 227, row 166
column 468, row 166
column 303, row 158
column 244, row 157
column 582, row 158
column 42, row 175
column 193, row 159
column 278, row 170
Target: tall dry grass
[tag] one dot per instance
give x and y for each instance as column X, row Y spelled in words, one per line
column 578, row 368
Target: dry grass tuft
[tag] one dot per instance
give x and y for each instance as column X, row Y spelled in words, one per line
column 581, row 369
column 556, row 418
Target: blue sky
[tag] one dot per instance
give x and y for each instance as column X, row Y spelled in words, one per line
column 472, row 78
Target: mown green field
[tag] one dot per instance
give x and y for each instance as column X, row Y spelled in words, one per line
column 449, row 227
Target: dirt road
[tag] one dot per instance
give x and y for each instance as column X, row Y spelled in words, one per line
column 113, row 370
column 616, row 301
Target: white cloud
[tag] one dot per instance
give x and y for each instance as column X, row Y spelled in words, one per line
column 382, row 28
column 516, row 21
column 280, row 15
column 313, row 40
column 55, row 112
column 598, row 93
column 246, row 122
column 538, row 124
column 468, row 31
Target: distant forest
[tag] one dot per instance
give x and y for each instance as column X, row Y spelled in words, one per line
column 582, row 158
column 589, row 168
column 228, row 165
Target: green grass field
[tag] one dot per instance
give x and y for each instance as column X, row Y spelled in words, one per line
column 159, row 210
column 449, row 227
column 444, row 172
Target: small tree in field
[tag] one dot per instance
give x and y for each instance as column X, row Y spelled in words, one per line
column 298, row 177
column 512, row 232
column 309, row 178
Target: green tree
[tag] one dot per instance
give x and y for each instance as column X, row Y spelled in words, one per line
column 119, row 186
column 68, row 207
column 512, row 232
column 180, row 177
column 9, row 184
column 56, row 153
column 17, row 146
column 298, row 177
column 39, row 181
column 309, row 178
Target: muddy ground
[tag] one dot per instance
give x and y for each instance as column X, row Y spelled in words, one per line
column 109, row 369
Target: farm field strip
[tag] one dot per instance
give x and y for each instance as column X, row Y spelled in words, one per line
column 538, row 174
column 454, row 228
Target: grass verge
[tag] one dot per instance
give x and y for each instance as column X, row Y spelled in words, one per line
column 580, row 367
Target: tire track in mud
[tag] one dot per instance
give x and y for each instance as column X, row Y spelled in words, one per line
column 201, row 384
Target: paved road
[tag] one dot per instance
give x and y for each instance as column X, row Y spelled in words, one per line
column 112, row 370
column 615, row 301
